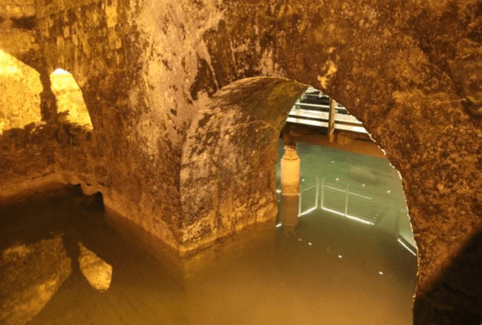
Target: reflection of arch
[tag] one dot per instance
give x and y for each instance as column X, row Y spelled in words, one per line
column 69, row 98
column 20, row 87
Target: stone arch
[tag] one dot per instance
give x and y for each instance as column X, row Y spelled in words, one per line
column 409, row 75
column 70, row 101
column 228, row 178
column 428, row 135
column 20, row 86
column 227, row 170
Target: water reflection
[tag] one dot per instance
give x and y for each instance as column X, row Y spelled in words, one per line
column 289, row 211
column 97, row 272
column 324, row 268
column 30, row 275
column 337, row 199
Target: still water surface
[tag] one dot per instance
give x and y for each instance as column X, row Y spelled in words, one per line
column 343, row 263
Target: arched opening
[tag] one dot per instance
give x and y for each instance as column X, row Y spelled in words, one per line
column 70, row 102
column 352, row 209
column 348, row 205
column 20, row 87
column 343, row 169
column 235, row 137
column 230, row 154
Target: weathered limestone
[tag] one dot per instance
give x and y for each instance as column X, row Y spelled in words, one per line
column 17, row 9
column 183, row 95
column 21, row 88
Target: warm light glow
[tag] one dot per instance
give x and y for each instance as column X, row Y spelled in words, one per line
column 20, row 89
column 60, row 72
column 69, row 98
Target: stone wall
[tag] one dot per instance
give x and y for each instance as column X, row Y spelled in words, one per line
column 129, row 142
column 17, row 9
column 17, row 30
column 21, row 88
column 162, row 81
column 26, row 156
column 27, row 144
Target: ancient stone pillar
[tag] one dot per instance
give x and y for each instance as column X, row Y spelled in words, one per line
column 290, row 171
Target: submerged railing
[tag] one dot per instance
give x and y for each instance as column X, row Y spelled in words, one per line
column 351, row 201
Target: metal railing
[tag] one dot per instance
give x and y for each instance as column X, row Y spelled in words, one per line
column 332, row 116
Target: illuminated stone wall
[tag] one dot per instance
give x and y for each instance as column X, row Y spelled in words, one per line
column 27, row 146
column 17, row 23
column 133, row 153
column 21, row 88
column 17, row 8
column 151, row 71
column 26, row 156
column 227, row 173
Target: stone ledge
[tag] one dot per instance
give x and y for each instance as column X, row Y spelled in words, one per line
column 28, row 188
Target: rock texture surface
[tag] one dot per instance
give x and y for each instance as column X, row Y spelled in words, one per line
column 175, row 119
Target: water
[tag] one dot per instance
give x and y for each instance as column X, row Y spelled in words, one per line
column 329, row 269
